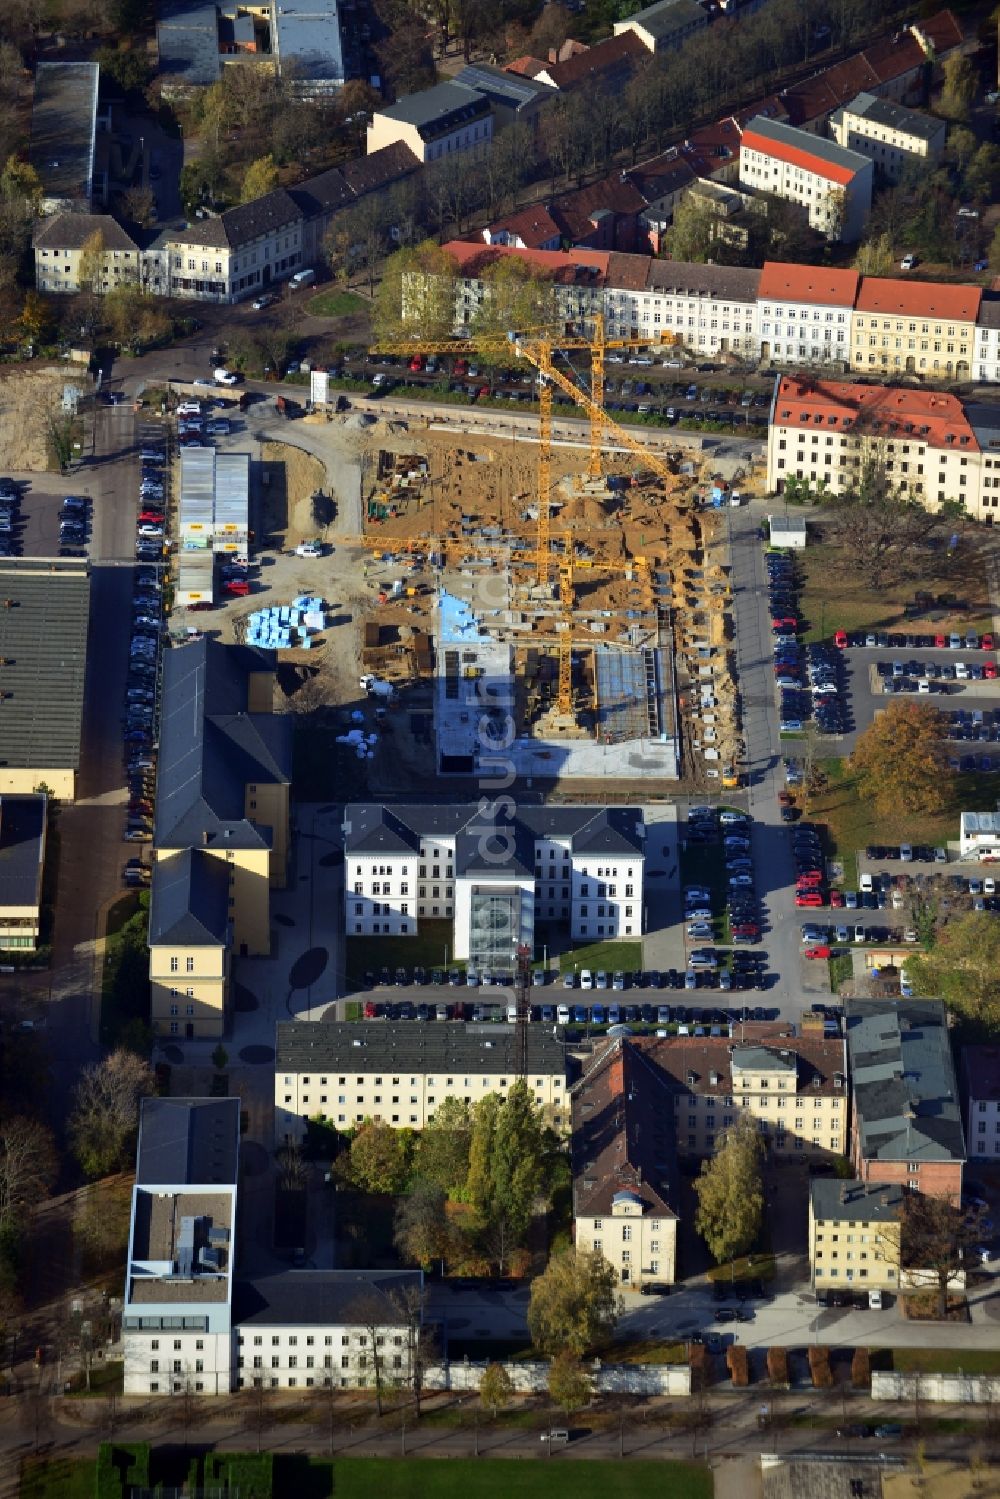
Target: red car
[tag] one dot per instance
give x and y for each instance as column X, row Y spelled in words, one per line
column 370, row 1011
column 151, row 515
column 940, row 642
column 817, row 952
column 417, row 363
column 990, row 670
column 809, row 878
column 840, row 640
column 236, row 590
column 836, row 897
column 987, row 642
column 785, row 622
column 461, row 366
column 808, row 898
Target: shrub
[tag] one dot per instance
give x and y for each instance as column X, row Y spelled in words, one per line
column 819, row 1368
column 777, row 1366
column 738, row 1364
column 861, row 1369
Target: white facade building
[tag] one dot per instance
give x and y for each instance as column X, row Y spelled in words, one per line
column 986, row 348
column 707, row 309
column 979, row 836
column 177, row 1311
column 891, row 135
column 494, row 880
column 981, row 1089
column 832, row 184
column 804, row 313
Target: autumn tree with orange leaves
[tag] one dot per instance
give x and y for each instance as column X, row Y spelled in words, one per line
column 900, row 762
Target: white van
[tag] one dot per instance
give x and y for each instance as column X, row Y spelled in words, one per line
column 302, row 278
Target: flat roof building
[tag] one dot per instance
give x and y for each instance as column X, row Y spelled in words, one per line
column 64, row 133
column 22, row 864
column 979, row 836
column 308, row 44
column 44, row 618
column 181, row 1248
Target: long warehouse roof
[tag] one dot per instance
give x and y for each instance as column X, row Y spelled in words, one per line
column 44, row 609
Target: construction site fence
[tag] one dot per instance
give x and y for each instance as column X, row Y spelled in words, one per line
column 533, row 1378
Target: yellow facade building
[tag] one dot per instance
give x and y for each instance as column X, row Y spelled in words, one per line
column 854, row 1235
column 221, row 839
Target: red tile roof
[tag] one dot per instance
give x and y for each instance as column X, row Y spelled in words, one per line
column 534, row 226
column 787, row 282
column 798, row 156
column 526, row 67
column 919, row 298
column 472, row 258
column 928, row 416
column 575, row 211
column 616, row 54
column 623, row 1135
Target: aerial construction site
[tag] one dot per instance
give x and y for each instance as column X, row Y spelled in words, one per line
column 561, row 601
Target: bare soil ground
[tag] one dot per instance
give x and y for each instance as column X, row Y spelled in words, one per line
column 27, row 396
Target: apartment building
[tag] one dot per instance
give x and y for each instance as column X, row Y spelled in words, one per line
column 493, row 880
column 84, row 252
column 981, row 1094
column 438, row 121
column 932, row 446
column 665, row 26
column 224, row 773
column 922, row 328
column 625, row 1189
column 706, row 309
column 854, row 1235
column 804, row 313
column 986, row 355
column 577, row 278
column 177, row 1321
column 400, row 1073
column 832, row 184
column 794, row 1088
column 906, row 1118
column 23, row 827
column 240, row 252
column 893, row 136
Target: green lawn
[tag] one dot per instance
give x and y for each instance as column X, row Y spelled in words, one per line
column 435, row 1478
column 57, row 1478
column 852, row 824
column 946, row 1360
column 747, row 1267
column 608, row 956
column 838, row 596
column 841, row 971
column 336, row 304
column 431, row 947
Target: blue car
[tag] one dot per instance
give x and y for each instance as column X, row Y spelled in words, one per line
column 580, row 1014
column 597, row 1014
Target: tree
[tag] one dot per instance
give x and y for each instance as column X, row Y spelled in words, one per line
column 994, row 250
column 373, row 1311
column 963, row 967
column 690, row 236
column 875, row 256
column 900, row 762
column 982, row 175
column 495, row 1388
column 569, row 1383
column 128, row 66
column 882, row 524
column 574, row 1304
column 28, row 1167
column 416, row 295
column 507, row 1168
column 260, row 178
column 961, row 146
column 102, row 1126
column 20, row 180
column 90, row 275
column 138, row 205
column 935, row 1236
column 730, row 1193
column 443, row 1146
column 420, row 1225
column 134, row 317
column 366, row 228
column 958, row 87
column 379, row 1157
column 516, row 294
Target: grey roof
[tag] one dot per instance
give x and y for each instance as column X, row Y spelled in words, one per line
column 244, row 223
column 70, row 231
column 64, row 128
column 989, row 310
column 456, row 1047
column 903, row 1080
column 985, row 423
column 894, row 116
column 438, row 110
column 328, row 1298
column 189, row 900
column 188, row 1142
column 682, row 278
column 510, row 850
column 22, row 849
column 508, row 90
column 667, row 16
column 813, row 145
column 855, row 1201
column 764, row 1059
column 187, row 42
column 374, row 828
column 307, row 35
column 211, row 748
column 367, row 174
column 323, row 194
column 44, row 613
